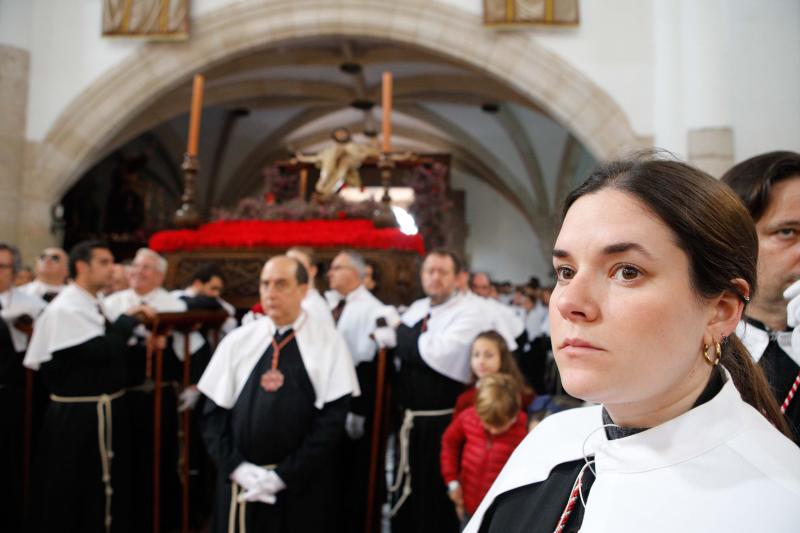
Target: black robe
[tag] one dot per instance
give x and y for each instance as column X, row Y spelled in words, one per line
column 781, row 372
column 142, row 403
column 419, row 387
column 12, row 405
column 281, row 428
column 68, row 492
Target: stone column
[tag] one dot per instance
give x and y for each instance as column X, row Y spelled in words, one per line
column 14, row 73
column 711, row 149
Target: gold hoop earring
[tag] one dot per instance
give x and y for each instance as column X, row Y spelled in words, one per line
column 717, row 353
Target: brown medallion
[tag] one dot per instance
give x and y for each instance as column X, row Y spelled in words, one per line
column 272, row 380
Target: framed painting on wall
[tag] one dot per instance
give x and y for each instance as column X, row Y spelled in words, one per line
column 505, row 13
column 146, row 19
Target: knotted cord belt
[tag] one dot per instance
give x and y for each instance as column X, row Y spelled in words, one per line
column 104, row 437
column 238, row 507
column 404, row 467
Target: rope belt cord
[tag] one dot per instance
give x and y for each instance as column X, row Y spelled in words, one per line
column 404, row 466
column 238, row 508
column 104, row 437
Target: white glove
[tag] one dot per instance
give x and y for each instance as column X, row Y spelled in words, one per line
column 793, row 309
column 354, row 426
column 248, row 476
column 392, row 317
column 188, row 398
column 793, row 314
column 265, row 490
column 385, row 337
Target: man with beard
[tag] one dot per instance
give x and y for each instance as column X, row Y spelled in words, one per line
column 433, row 342
column 82, row 474
column 769, row 186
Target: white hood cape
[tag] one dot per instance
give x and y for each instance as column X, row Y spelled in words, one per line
column 720, row 467
column 323, row 350
column 72, row 318
column 163, row 302
column 451, row 328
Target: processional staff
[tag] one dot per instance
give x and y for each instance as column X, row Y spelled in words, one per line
column 164, row 324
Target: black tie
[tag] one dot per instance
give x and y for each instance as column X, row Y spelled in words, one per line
column 105, row 318
column 49, row 295
column 424, row 327
column 337, row 311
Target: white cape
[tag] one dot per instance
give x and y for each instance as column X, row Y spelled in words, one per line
column 451, row 328
column 719, row 467
column 323, row 350
column 71, row 319
column 163, row 302
column 20, row 303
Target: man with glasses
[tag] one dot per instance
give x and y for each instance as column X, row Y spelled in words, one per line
column 51, row 275
column 17, row 310
column 366, row 325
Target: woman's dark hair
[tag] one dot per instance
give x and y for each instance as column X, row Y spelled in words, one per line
column 717, row 234
column 754, row 178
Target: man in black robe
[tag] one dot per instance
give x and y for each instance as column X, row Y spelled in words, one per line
column 366, row 325
column 81, row 476
column 769, row 186
column 278, row 391
column 17, row 311
column 147, row 276
column 433, row 343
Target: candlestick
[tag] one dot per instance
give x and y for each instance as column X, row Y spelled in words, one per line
column 194, row 117
column 387, row 111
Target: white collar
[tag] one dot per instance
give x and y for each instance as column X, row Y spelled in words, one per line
column 323, row 351
column 756, row 341
column 70, row 320
column 725, row 420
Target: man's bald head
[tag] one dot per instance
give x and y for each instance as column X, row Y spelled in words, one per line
column 282, row 287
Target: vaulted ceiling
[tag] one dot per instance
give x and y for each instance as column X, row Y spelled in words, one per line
column 261, row 106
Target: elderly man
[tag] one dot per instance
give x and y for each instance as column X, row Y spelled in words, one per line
column 481, row 284
column 51, row 274
column 366, row 325
column 433, row 343
column 82, row 471
column 147, row 275
column 279, row 391
column 17, row 310
column 769, row 186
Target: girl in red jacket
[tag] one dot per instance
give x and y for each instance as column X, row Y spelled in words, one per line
column 480, row 440
column 490, row 355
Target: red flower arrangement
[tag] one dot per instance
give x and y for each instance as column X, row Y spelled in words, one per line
column 348, row 233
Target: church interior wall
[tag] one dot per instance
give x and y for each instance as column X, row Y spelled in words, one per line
column 651, row 58
column 499, row 240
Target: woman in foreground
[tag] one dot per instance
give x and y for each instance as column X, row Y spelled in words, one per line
column 655, row 262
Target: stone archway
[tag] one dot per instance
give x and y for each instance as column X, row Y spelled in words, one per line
column 83, row 131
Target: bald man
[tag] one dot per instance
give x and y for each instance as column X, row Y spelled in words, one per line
column 51, row 275
column 279, row 391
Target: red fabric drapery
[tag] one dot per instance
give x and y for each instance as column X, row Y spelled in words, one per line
column 278, row 234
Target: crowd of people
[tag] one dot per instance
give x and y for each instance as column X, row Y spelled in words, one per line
column 674, row 317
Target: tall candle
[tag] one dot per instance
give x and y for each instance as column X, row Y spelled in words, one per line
column 387, row 111
column 194, row 117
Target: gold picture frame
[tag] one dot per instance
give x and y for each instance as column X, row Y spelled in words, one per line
column 158, row 20
column 521, row 13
